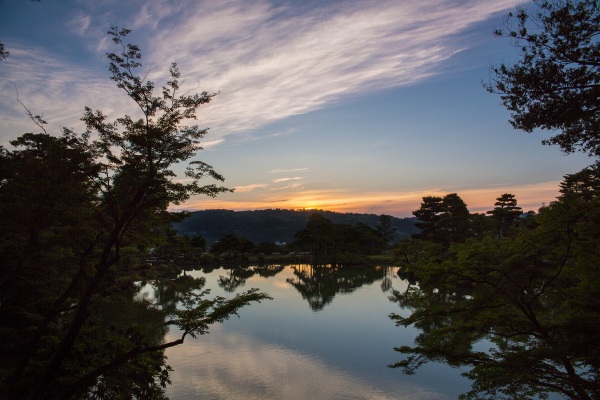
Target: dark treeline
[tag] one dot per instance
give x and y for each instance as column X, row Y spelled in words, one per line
column 274, row 225
column 446, row 220
column 344, row 244
column 441, row 220
column 318, row 241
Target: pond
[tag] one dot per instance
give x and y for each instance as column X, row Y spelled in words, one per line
column 325, row 335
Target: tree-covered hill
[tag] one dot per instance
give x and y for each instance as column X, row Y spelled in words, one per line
column 274, row 225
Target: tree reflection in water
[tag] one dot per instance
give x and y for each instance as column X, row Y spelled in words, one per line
column 319, row 284
column 238, row 275
column 526, row 324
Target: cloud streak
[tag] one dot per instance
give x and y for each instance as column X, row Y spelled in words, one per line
column 269, row 65
column 268, row 62
column 287, row 179
column 255, row 370
column 397, row 203
column 250, row 187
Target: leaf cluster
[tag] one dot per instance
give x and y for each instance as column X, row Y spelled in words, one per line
column 556, row 83
column 331, row 243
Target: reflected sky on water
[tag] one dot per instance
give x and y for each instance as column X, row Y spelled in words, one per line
column 285, row 349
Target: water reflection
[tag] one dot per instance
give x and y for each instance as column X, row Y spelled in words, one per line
column 167, row 293
column 232, row 366
column 505, row 357
column 284, row 350
column 237, row 276
column 319, row 284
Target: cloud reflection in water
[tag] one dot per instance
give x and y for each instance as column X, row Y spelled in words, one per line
column 230, row 366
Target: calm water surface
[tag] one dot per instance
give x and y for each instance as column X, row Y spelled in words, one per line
column 325, row 335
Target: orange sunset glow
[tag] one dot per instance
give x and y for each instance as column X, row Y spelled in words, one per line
column 530, row 197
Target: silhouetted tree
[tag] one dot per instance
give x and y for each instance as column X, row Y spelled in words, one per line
column 386, row 229
column 318, row 236
column 533, row 296
column 455, row 219
column 88, row 207
column 505, row 213
column 443, row 220
column 3, row 52
column 430, row 215
column 232, row 245
column 267, row 248
column 338, row 243
column 369, row 240
column 584, row 184
column 554, row 85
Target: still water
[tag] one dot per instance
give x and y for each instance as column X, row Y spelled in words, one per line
column 325, row 335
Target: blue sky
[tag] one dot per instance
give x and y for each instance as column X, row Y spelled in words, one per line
column 351, row 106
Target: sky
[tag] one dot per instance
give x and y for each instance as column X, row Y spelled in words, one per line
column 358, row 106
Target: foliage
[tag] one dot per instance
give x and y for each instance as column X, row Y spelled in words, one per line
column 443, row 220
column 337, row 243
column 386, row 229
column 232, row 245
column 198, row 243
column 79, row 213
column 272, row 225
column 317, row 237
column 585, row 184
column 506, row 212
column 446, row 220
column 531, row 298
column 555, row 84
column 3, row 52
column 268, row 248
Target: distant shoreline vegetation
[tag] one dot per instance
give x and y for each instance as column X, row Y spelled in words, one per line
column 284, row 235
column 274, row 224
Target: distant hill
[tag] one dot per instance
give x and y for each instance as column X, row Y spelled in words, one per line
column 273, row 225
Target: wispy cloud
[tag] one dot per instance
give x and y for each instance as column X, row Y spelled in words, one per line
column 305, row 377
column 80, row 23
column 268, row 64
column 271, row 186
column 267, row 61
column 251, row 187
column 48, row 85
column 287, row 179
